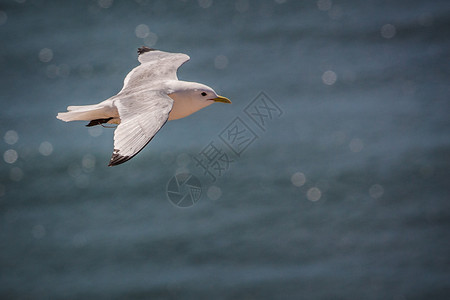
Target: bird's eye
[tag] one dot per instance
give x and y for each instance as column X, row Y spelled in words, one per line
column 203, row 94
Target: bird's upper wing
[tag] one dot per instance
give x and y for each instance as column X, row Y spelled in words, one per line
column 142, row 115
column 155, row 65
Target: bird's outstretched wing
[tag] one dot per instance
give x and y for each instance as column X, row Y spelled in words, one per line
column 142, row 115
column 155, row 66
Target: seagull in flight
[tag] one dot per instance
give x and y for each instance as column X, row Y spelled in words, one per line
column 151, row 95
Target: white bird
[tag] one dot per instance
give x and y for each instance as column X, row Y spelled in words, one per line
column 151, row 95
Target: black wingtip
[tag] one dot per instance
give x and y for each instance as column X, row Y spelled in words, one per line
column 144, row 49
column 117, row 159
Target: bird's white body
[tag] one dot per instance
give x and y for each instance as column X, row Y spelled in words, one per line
column 184, row 104
column 151, row 95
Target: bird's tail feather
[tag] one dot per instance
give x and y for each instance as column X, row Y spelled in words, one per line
column 82, row 107
column 83, row 113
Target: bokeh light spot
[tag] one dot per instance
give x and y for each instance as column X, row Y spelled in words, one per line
column 45, row 55
column 95, row 131
column 52, row 71
column 298, row 179
column 214, row 193
column 329, row 77
column 313, row 194
column 388, row 31
column 45, row 148
column 142, row 31
column 376, row 191
column 88, row 162
column 10, row 156
column 151, row 39
column 11, row 137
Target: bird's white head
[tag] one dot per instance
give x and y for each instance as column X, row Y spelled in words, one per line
column 200, row 92
column 190, row 97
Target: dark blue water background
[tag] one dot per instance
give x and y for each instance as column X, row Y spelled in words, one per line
column 345, row 195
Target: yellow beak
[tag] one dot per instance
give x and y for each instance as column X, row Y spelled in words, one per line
column 221, row 99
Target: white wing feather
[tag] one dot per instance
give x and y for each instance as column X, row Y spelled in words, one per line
column 142, row 115
column 155, row 66
column 143, row 108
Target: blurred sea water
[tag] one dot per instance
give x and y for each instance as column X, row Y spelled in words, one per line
column 343, row 194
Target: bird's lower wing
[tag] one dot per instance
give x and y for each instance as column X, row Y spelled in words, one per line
column 142, row 115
